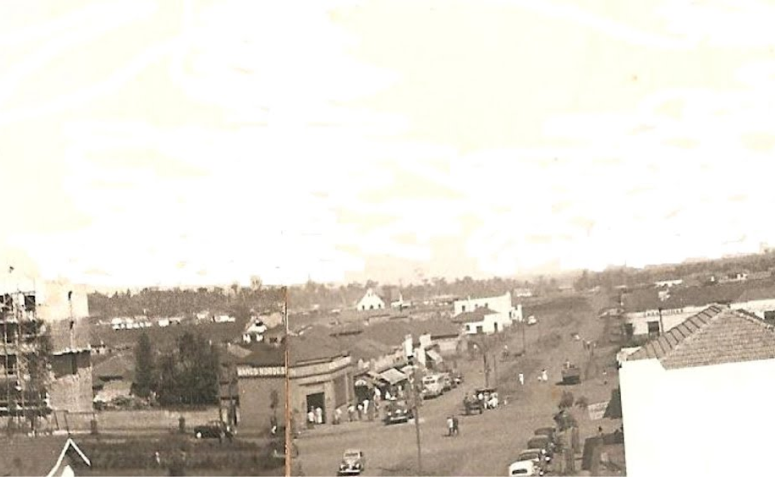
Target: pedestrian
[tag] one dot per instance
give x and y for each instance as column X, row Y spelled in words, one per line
column 521, row 379
column 455, row 426
column 544, row 376
column 319, row 415
column 388, row 396
column 377, row 394
column 338, row 416
column 273, row 424
column 311, row 418
column 157, row 458
column 360, row 412
column 450, row 426
column 351, row 412
column 366, row 406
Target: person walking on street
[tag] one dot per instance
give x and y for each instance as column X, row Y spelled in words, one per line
column 319, row 415
column 360, row 412
column 455, row 426
column 521, row 379
column 351, row 412
column 338, row 416
column 450, row 426
column 544, row 376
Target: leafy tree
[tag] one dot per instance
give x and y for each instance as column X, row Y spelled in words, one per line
column 144, row 367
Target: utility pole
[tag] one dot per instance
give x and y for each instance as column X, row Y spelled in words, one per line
column 416, row 399
column 288, row 417
column 524, row 343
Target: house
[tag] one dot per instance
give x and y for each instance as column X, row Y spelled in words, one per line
column 486, row 315
column 50, row 456
column 700, row 390
column 668, row 283
column 759, row 301
column 254, row 331
column 371, row 301
column 523, row 293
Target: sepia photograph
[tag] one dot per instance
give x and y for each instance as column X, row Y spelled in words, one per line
column 386, row 237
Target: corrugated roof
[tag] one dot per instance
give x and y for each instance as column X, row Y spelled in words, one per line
column 717, row 335
column 759, row 293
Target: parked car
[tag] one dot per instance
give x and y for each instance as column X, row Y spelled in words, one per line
column 433, row 386
column 550, row 432
column 447, row 384
column 523, row 467
column 213, row 430
column 544, row 443
column 571, row 374
column 353, row 462
column 472, row 404
column 537, row 457
column 397, row 411
column 457, row 377
column 531, row 320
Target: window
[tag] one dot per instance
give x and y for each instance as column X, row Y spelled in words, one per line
column 480, row 329
column 769, row 317
column 653, row 327
column 464, row 308
column 629, row 330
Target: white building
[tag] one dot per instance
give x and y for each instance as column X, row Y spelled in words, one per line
column 697, row 398
column 668, row 283
column 371, row 301
column 486, row 315
column 254, row 331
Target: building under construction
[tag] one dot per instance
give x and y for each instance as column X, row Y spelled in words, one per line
column 45, row 362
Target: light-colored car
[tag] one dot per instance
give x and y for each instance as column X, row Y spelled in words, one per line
column 523, row 467
column 353, row 462
column 433, row 386
column 532, row 320
column 536, row 456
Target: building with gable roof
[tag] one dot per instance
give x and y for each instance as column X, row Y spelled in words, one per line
column 50, row 456
column 701, row 389
column 487, row 314
column 371, row 301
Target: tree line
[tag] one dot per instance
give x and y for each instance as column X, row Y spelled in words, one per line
column 186, row 375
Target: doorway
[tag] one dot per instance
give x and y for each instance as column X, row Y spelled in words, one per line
column 315, row 401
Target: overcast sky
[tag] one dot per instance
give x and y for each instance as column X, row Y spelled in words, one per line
column 195, row 142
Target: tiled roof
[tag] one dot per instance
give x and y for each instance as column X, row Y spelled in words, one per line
column 648, row 298
column 264, row 355
column 32, row 456
column 717, row 335
column 391, row 333
column 476, row 315
column 436, row 328
column 314, row 347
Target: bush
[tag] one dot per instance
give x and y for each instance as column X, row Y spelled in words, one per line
column 582, row 402
column 566, row 401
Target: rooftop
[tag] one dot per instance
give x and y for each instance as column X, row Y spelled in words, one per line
column 120, row 366
column 648, row 298
column 717, row 335
column 306, row 349
column 34, row 456
column 476, row 315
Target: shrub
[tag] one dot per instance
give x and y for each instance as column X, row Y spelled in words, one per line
column 566, row 401
column 582, row 402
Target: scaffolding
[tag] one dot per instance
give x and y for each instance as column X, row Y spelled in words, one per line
column 22, row 333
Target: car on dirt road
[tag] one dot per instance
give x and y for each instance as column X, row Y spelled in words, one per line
column 523, row 467
column 432, row 386
column 537, row 457
column 353, row 462
column 397, row 411
column 213, row 430
column 544, row 443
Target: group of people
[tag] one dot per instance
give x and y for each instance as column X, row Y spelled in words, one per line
column 314, row 416
column 453, row 427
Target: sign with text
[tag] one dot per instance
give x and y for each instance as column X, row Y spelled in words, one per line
column 263, row 371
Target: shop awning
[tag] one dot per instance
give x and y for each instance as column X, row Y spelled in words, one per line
column 434, row 355
column 392, row 376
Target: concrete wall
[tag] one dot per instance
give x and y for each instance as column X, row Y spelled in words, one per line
column 72, row 392
column 53, row 305
column 757, row 307
column 255, row 398
column 670, row 318
column 675, row 420
column 132, row 420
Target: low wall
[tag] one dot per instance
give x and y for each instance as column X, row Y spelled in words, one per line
column 131, row 420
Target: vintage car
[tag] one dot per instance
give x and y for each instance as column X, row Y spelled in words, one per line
column 447, row 383
column 544, row 443
column 353, row 462
column 523, row 467
column 213, row 430
column 472, row 405
column 457, row 377
column 571, row 374
column 537, row 457
column 397, row 411
column 549, row 432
